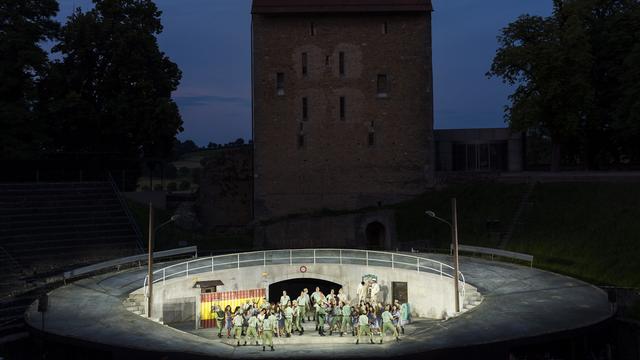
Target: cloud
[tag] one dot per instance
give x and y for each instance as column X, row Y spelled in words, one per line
column 204, row 100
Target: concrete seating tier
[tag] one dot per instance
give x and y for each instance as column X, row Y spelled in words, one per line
column 49, row 226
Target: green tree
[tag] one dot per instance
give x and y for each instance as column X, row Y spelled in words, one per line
column 577, row 78
column 111, row 92
column 172, row 186
column 183, row 171
column 549, row 61
column 24, row 24
column 184, row 185
column 184, row 147
column 624, row 42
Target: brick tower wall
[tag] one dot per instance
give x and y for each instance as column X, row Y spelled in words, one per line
column 381, row 150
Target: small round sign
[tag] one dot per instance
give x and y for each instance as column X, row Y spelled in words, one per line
column 303, row 269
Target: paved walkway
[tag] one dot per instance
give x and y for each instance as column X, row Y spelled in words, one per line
column 519, row 302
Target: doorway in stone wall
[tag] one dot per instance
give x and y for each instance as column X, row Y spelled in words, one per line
column 294, row 286
column 376, row 235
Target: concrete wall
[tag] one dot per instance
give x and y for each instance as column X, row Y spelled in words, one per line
column 430, row 295
column 339, row 231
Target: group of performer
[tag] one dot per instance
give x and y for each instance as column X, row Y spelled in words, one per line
column 333, row 312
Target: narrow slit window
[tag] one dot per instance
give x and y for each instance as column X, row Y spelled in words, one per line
column 280, row 83
column 372, row 138
column 312, row 29
column 383, row 85
column 304, row 64
column 300, row 141
column 385, row 28
column 305, row 109
column 342, row 107
column 341, row 61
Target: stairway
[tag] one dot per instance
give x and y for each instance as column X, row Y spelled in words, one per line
column 517, row 217
column 12, row 274
column 471, row 299
column 135, row 304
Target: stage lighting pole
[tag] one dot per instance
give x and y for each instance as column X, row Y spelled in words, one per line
column 454, row 245
column 152, row 233
column 454, row 240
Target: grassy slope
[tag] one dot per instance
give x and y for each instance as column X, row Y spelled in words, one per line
column 476, row 203
column 587, row 230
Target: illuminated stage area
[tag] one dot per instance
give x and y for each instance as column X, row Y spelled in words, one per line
column 518, row 303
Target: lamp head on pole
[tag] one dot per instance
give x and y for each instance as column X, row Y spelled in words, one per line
column 430, row 213
column 175, row 217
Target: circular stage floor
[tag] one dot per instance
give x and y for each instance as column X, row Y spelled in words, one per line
column 519, row 303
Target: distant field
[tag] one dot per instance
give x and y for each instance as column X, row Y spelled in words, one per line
column 189, row 160
column 587, row 230
column 192, row 160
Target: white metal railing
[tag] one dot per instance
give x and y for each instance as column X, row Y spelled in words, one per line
column 305, row 257
column 496, row 252
column 127, row 260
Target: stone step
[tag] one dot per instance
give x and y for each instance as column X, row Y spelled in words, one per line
column 471, row 305
column 474, row 301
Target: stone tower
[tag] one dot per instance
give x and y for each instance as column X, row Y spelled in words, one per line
column 342, row 103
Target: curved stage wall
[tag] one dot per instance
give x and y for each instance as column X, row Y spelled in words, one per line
column 430, row 291
column 523, row 310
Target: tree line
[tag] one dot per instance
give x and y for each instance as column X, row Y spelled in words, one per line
column 189, row 146
column 106, row 90
column 577, row 80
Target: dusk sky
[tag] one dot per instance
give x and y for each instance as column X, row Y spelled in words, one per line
column 210, row 42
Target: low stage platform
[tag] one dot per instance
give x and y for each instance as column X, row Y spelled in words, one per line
column 519, row 303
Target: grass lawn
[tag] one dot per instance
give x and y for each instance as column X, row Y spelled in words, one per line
column 477, row 204
column 586, row 230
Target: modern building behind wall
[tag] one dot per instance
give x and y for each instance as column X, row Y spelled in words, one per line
column 342, row 103
column 479, row 150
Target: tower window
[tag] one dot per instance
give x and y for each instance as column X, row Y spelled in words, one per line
column 280, row 83
column 304, row 64
column 326, row 60
column 312, row 29
column 305, row 109
column 385, row 28
column 372, row 138
column 342, row 107
column 341, row 61
column 383, row 85
column 300, row 140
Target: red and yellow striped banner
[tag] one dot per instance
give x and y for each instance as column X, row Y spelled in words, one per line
column 222, row 299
